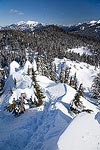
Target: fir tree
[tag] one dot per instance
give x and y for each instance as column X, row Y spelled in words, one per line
column 76, row 105
column 95, row 89
column 15, row 81
column 80, row 90
column 67, row 72
column 62, row 75
column 38, row 91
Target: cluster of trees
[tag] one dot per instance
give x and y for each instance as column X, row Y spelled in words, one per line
column 18, row 106
column 3, row 76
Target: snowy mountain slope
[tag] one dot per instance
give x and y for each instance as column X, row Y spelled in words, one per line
column 85, row 73
column 88, row 29
column 83, row 133
column 40, row 128
column 24, row 26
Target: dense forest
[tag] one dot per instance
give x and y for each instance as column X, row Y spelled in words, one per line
column 49, row 41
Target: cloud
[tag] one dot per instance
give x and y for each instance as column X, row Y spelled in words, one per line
column 15, row 11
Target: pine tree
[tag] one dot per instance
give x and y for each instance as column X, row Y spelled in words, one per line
column 38, row 91
column 28, row 71
column 80, row 90
column 75, row 82
column 70, row 83
column 95, row 89
column 15, row 81
column 62, row 75
column 76, row 105
column 67, row 72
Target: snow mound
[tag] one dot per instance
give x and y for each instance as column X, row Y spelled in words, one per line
column 83, row 133
column 14, row 66
column 27, row 65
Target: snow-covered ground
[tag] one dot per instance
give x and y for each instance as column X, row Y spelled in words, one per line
column 81, row 50
column 85, row 73
column 82, row 134
column 50, row 126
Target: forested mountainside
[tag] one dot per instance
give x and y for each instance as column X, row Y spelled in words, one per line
column 50, row 41
column 88, row 29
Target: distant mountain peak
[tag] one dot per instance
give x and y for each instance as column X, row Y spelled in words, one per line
column 24, row 25
column 29, row 22
column 93, row 22
column 20, row 23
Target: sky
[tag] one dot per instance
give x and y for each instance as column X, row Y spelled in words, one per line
column 64, row 12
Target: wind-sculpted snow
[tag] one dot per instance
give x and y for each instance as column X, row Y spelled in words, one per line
column 83, row 133
column 37, row 127
column 40, row 128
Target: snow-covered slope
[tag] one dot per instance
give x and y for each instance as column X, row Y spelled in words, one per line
column 82, row 134
column 85, row 73
column 24, row 26
column 41, row 128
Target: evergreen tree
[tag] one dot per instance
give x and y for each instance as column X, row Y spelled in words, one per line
column 67, row 72
column 75, row 81
column 95, row 89
column 62, row 75
column 15, row 81
column 38, row 91
column 76, row 105
column 28, row 71
column 80, row 90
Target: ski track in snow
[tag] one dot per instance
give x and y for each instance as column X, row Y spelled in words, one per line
column 47, row 123
column 40, row 125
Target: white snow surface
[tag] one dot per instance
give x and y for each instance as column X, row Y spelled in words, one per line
column 85, row 73
column 81, row 50
column 82, row 134
column 50, row 126
column 30, row 23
